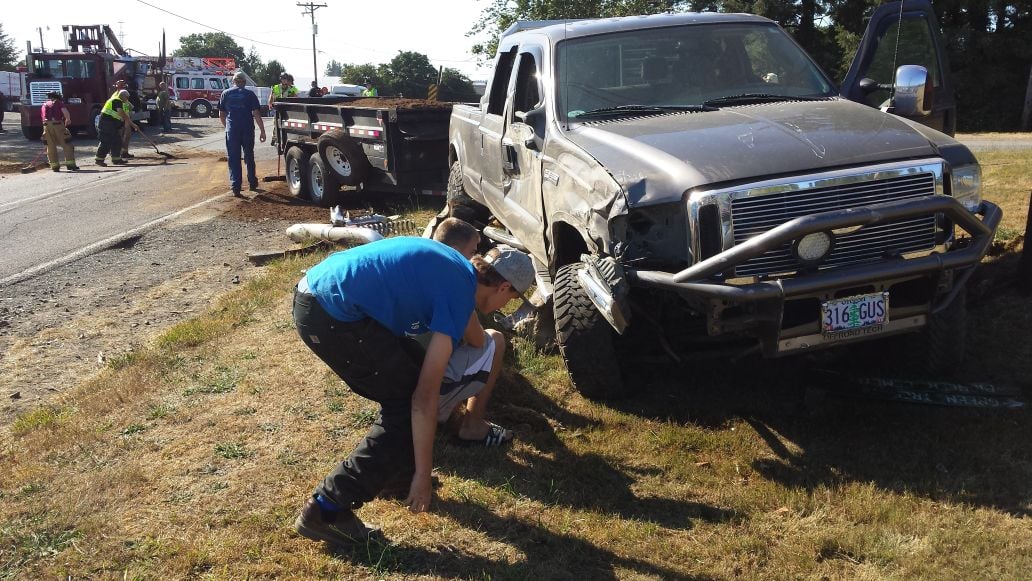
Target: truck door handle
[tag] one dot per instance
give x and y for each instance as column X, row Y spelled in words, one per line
column 509, row 156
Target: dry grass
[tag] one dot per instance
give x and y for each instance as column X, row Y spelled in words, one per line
column 189, row 459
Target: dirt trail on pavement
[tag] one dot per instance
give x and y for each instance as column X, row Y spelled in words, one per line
column 61, row 326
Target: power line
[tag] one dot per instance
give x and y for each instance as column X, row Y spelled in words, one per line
column 219, row 29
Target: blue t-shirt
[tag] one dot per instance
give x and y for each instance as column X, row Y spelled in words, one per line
column 238, row 103
column 409, row 285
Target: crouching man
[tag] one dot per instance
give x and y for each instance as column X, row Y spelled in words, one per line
column 358, row 311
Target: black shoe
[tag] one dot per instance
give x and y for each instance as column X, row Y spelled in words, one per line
column 253, row 186
column 340, row 528
column 236, row 193
column 73, row 168
column 100, row 162
column 128, row 155
column 56, row 168
column 119, row 161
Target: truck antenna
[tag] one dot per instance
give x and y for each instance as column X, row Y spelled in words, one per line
column 895, row 53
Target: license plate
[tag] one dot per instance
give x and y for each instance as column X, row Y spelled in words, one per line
column 854, row 312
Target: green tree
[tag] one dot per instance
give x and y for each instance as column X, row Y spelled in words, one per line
column 377, row 75
column 334, row 69
column 499, row 15
column 411, row 74
column 456, row 86
column 8, row 53
column 269, row 74
column 252, row 63
column 210, row 44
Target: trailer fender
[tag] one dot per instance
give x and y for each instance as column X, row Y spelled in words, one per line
column 343, row 156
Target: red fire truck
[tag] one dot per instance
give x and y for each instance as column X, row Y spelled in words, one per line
column 198, row 83
column 85, row 72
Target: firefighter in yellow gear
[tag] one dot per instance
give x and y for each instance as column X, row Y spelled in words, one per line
column 113, row 118
column 55, row 118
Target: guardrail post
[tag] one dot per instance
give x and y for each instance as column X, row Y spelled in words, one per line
column 1025, row 266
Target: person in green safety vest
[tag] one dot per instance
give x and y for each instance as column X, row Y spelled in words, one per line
column 284, row 89
column 113, row 118
column 370, row 90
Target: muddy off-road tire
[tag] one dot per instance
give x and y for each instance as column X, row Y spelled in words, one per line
column 344, row 157
column 585, row 339
column 937, row 350
column 323, row 187
column 296, row 162
column 462, row 206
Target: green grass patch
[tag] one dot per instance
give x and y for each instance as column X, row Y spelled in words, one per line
column 232, row 450
column 39, row 418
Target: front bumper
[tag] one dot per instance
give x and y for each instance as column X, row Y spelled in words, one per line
column 758, row 308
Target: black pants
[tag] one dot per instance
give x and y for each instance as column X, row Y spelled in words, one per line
column 110, row 138
column 378, row 366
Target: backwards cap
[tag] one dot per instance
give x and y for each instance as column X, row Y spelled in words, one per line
column 514, row 266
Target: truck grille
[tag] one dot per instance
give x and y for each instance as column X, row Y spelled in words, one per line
column 751, row 216
column 38, row 91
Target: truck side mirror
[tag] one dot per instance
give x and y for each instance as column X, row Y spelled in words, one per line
column 535, row 119
column 913, row 91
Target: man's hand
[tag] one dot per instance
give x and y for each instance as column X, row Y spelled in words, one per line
column 420, row 493
column 262, row 136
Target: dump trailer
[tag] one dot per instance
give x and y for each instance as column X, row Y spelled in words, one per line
column 330, row 144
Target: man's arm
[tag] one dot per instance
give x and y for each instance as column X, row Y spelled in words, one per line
column 257, row 114
column 67, row 115
column 474, row 333
column 424, row 419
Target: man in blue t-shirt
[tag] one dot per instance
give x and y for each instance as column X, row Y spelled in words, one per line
column 358, row 311
column 239, row 110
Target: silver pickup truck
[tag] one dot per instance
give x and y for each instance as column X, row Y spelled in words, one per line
column 691, row 182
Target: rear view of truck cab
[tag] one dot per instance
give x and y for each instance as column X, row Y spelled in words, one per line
column 695, row 182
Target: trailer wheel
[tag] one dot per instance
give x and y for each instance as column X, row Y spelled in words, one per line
column 200, row 108
column 585, row 339
column 32, row 133
column 344, row 157
column 296, row 160
column 323, row 187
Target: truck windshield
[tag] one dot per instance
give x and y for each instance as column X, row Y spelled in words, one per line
column 683, row 66
column 80, row 69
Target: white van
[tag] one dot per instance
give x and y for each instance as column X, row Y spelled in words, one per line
column 345, row 91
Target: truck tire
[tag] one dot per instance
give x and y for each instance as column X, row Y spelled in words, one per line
column 32, row 133
column 937, row 350
column 296, row 162
column 344, row 157
column 323, row 187
column 460, row 205
column 200, row 108
column 585, row 339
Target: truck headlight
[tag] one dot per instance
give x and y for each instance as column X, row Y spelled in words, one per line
column 967, row 186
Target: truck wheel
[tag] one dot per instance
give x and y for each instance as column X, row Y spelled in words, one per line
column 460, row 205
column 323, row 187
column 200, row 108
column 937, row 350
column 296, row 160
column 585, row 339
column 32, row 133
column 344, row 157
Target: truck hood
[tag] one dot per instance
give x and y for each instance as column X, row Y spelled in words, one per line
column 657, row 158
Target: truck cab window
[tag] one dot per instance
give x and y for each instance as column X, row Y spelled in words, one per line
column 80, row 69
column 216, row 83
column 500, row 82
column 182, row 83
column 198, row 84
column 916, row 47
column 526, row 95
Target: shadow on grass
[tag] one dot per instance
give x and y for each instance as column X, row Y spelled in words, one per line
column 548, row 555
column 974, row 456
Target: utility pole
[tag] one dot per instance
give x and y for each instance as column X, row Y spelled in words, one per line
column 310, row 9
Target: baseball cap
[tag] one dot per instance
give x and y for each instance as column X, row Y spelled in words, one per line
column 515, row 266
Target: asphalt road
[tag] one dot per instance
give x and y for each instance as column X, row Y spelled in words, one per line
column 49, row 218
